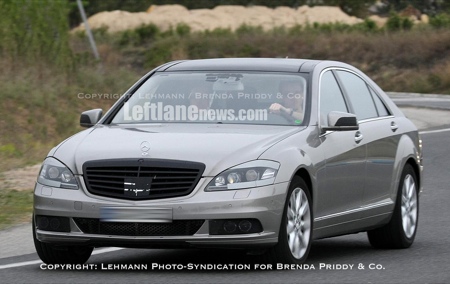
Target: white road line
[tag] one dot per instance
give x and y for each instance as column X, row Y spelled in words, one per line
column 105, row 250
column 25, row 263
column 421, row 99
column 434, row 131
column 18, row 264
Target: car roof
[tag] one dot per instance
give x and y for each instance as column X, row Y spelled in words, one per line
column 244, row 64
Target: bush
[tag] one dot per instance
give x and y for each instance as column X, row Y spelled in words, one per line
column 218, row 32
column 396, row 23
column 160, row 52
column 45, row 103
column 248, row 30
column 367, row 26
column 440, row 21
column 182, row 29
column 35, row 30
column 146, row 32
column 139, row 35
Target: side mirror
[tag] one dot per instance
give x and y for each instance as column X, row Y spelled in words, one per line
column 341, row 121
column 90, row 117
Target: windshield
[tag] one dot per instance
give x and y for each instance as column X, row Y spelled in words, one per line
column 217, row 97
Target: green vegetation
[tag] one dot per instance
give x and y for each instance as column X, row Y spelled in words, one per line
column 440, row 21
column 16, row 207
column 35, row 30
column 48, row 74
column 399, row 57
column 396, row 23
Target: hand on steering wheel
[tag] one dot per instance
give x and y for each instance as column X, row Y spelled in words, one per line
column 276, row 108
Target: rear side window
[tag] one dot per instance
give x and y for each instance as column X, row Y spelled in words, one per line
column 359, row 95
column 381, row 108
column 331, row 98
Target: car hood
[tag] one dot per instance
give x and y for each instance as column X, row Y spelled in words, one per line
column 218, row 146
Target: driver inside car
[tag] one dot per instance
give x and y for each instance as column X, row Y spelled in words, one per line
column 291, row 106
column 200, row 97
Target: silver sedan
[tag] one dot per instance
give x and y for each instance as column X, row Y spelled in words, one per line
column 258, row 154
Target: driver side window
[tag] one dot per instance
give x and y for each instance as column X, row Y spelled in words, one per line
column 331, row 98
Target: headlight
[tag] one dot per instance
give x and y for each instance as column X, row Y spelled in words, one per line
column 55, row 174
column 251, row 174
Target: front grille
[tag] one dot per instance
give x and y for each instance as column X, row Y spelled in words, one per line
column 176, row 228
column 141, row 179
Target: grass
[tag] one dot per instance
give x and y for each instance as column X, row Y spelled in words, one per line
column 40, row 103
column 398, row 59
column 17, row 207
column 41, row 108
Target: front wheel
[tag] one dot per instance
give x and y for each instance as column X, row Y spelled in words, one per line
column 294, row 239
column 401, row 230
column 52, row 254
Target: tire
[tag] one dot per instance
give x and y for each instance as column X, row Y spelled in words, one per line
column 293, row 247
column 400, row 232
column 52, row 254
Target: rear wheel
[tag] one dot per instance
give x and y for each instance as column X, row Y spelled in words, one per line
column 53, row 254
column 294, row 240
column 401, row 230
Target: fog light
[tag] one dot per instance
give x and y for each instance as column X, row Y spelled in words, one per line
column 245, row 226
column 229, row 226
column 54, row 224
column 42, row 223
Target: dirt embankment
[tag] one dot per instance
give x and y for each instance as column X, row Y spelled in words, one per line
column 20, row 179
column 226, row 17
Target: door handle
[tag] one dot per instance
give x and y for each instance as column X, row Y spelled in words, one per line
column 358, row 137
column 394, row 126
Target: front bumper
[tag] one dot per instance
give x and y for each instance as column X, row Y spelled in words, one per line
column 265, row 204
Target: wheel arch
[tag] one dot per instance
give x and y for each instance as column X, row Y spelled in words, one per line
column 408, row 152
column 411, row 161
column 305, row 175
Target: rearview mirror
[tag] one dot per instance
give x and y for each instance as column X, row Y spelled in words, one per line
column 341, row 121
column 90, row 117
column 227, row 85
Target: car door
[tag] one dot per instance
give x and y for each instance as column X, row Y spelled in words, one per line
column 340, row 193
column 377, row 128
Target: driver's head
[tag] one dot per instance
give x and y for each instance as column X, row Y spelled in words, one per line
column 291, row 87
column 292, row 92
column 199, row 97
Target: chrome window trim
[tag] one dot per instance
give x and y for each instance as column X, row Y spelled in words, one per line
column 369, row 85
column 320, row 95
column 376, row 119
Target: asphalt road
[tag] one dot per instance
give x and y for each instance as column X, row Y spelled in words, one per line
column 426, row 261
column 421, row 100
